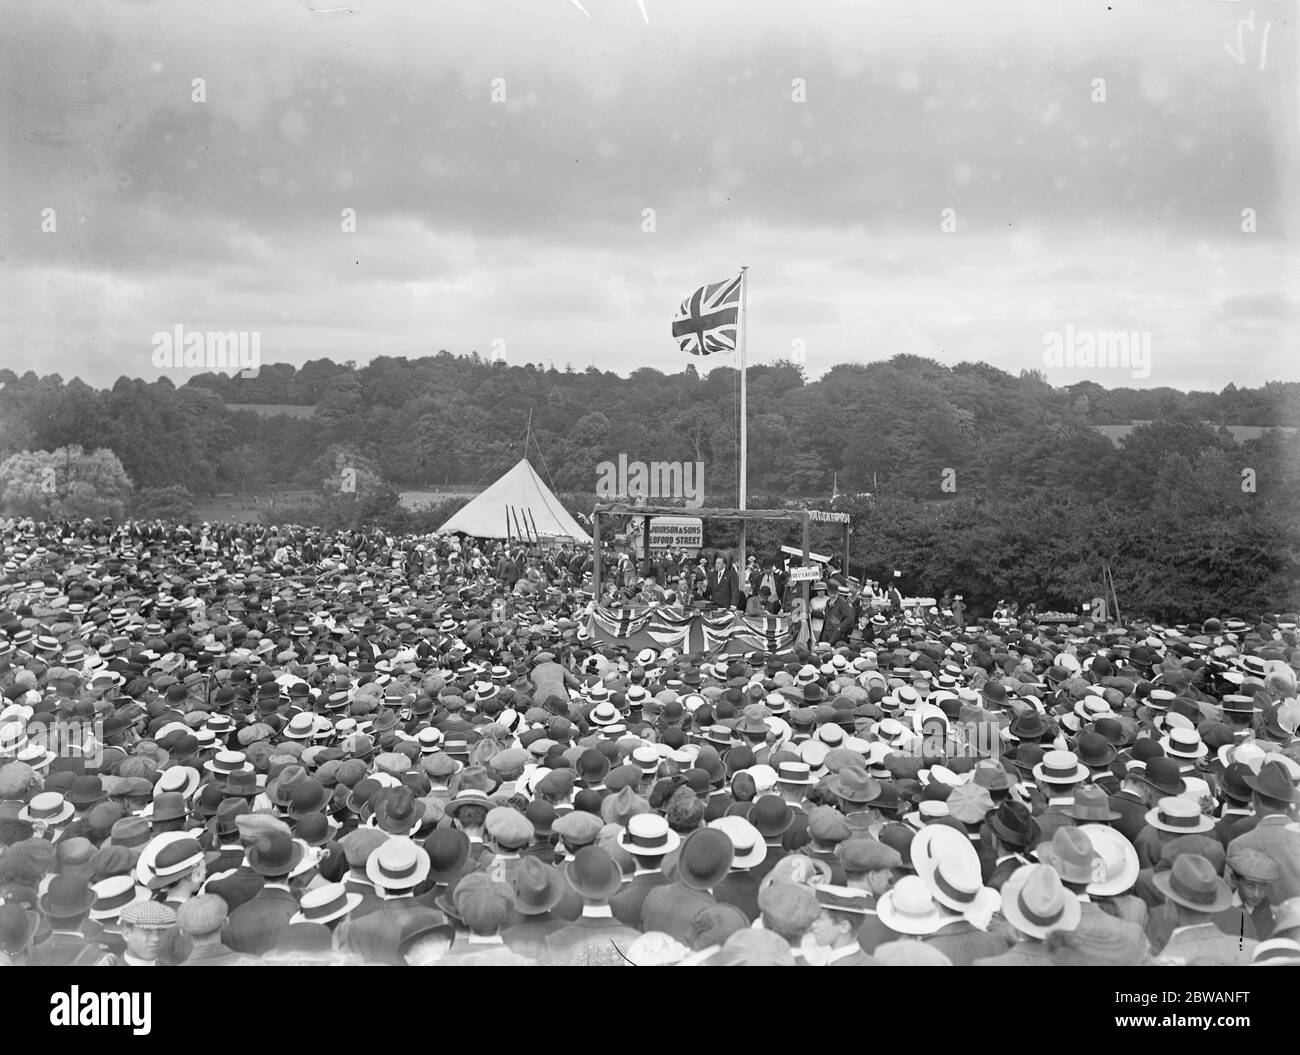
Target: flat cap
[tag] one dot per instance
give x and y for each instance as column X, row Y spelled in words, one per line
column 577, row 828
column 861, row 854
column 148, row 915
column 203, row 914
column 510, row 828
column 1251, row 864
column 827, row 824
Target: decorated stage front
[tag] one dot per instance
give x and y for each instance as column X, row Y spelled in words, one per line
column 718, row 632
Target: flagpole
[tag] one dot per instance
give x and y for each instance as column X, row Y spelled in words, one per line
column 744, row 420
column 744, row 423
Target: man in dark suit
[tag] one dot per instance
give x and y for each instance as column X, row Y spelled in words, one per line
column 702, row 862
column 255, row 926
column 838, row 617
column 537, row 888
column 724, row 583
column 1236, row 801
column 1012, row 830
column 66, row 904
column 648, row 839
column 1131, row 802
column 595, row 938
column 740, row 887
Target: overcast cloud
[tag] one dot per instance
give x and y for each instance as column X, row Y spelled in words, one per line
column 521, row 219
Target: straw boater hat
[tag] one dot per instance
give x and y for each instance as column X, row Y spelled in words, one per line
column 949, row 865
column 326, row 903
column 397, row 864
column 1060, row 767
column 1179, row 816
column 908, row 907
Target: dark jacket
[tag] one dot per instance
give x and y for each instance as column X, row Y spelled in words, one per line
column 724, row 589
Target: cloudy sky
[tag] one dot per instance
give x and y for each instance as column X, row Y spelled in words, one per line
column 501, row 158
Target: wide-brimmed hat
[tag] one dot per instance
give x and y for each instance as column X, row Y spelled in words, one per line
column 1060, row 767
column 67, row 897
column 113, row 894
column 949, row 865
column 1162, row 774
column 1014, row 824
column 1090, row 804
column 1192, row 883
column 853, row 785
column 705, row 858
column 275, row 853
column 468, row 797
column 537, row 887
column 1184, row 744
column 771, row 816
column 648, row 835
column 49, row 807
column 908, row 907
column 1070, row 852
column 1119, row 858
column 397, row 864
column 183, row 780
column 1036, row 903
column 594, row 874
column 1179, row 815
column 746, row 840
column 398, row 811
column 794, row 773
column 1273, row 782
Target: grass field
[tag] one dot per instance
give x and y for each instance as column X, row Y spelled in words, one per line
column 248, row 509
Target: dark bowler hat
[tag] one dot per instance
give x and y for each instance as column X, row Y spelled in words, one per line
column 705, row 858
column 448, row 850
column 1164, row 775
column 67, row 897
column 594, row 874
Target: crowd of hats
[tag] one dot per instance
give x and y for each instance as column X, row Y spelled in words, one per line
column 186, row 719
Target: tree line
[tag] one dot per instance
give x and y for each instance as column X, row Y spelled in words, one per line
column 962, row 477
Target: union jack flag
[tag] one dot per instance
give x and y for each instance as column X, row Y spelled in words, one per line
column 708, row 319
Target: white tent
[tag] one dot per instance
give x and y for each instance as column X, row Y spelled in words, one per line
column 517, row 506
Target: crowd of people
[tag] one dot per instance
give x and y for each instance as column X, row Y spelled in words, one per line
column 232, row 745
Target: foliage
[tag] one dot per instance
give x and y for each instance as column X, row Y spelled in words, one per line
column 164, row 503
column 962, row 477
column 63, row 484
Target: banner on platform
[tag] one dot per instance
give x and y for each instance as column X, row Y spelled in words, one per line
column 721, row 632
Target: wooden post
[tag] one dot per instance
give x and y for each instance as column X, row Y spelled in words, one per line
column 595, row 554
column 741, row 556
column 806, row 586
column 645, row 545
column 846, row 549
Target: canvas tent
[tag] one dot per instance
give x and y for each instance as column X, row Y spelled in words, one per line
column 517, row 506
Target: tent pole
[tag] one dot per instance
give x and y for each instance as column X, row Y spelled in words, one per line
column 595, row 555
